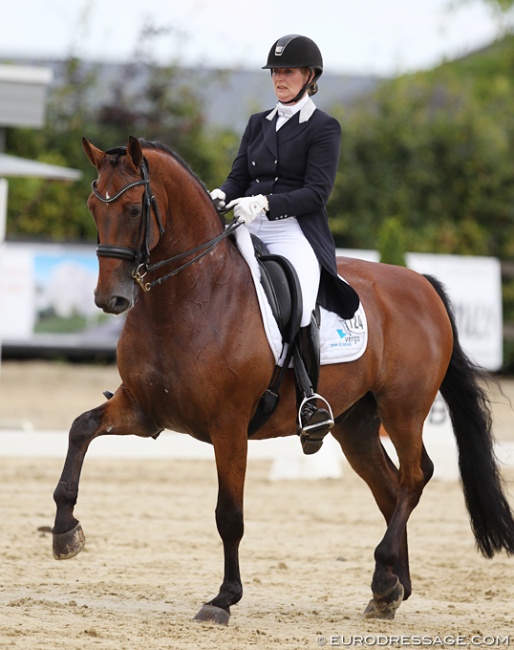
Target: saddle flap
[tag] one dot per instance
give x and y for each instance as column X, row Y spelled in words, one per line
column 281, row 285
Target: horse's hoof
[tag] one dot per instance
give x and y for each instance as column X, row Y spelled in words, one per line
column 385, row 607
column 212, row 614
column 67, row 545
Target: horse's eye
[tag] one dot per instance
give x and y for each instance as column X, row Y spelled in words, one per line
column 134, row 211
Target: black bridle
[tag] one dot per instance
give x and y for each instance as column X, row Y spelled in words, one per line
column 141, row 256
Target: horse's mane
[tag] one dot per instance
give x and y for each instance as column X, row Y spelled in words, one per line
column 163, row 147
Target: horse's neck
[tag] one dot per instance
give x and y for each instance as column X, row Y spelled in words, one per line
column 191, row 218
column 191, row 223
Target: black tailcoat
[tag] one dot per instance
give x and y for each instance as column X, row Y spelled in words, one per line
column 295, row 167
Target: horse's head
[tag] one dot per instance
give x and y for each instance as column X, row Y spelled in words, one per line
column 128, row 212
column 126, row 219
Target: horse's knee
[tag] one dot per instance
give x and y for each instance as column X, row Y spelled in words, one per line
column 84, row 428
column 119, row 416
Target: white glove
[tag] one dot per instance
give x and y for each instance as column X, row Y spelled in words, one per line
column 247, row 208
column 218, row 198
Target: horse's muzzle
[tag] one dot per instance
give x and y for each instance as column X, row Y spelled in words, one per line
column 114, row 303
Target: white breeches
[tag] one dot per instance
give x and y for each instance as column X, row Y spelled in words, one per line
column 285, row 237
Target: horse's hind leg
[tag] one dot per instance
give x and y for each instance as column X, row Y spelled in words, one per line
column 387, row 584
column 358, row 435
column 118, row 416
column 391, row 582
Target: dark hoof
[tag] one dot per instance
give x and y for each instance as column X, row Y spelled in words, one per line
column 212, row 614
column 67, row 545
column 385, row 607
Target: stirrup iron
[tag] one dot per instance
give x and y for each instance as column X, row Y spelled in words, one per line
column 327, row 424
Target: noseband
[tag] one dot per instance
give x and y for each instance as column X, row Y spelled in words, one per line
column 141, row 256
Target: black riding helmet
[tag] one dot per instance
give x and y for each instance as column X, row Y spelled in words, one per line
column 296, row 51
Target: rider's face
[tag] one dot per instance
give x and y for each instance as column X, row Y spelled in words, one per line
column 287, row 82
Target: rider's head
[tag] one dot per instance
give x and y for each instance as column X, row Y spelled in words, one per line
column 296, row 51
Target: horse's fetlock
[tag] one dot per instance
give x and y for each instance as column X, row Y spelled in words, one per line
column 384, row 583
column 66, row 493
column 384, row 556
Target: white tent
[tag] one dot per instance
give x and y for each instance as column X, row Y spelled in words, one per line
column 20, row 167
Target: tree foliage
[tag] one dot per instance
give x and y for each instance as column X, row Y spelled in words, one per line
column 500, row 5
column 434, row 152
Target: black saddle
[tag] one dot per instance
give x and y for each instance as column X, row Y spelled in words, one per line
column 282, row 288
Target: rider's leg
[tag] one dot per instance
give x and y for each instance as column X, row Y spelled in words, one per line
column 315, row 421
column 286, row 238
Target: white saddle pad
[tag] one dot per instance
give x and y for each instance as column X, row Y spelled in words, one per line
column 340, row 340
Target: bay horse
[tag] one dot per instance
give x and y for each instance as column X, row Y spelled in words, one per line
column 193, row 357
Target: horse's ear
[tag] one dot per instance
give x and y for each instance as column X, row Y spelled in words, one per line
column 94, row 154
column 135, row 151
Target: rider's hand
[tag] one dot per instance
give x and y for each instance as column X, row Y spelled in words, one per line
column 218, row 198
column 247, row 208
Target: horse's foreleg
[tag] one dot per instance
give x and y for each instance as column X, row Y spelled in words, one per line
column 231, row 467
column 68, row 537
column 117, row 417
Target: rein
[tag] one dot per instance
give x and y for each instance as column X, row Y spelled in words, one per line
column 141, row 256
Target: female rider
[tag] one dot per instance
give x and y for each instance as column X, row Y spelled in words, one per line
column 279, row 185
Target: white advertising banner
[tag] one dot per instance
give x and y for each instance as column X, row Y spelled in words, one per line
column 47, row 300
column 17, row 294
column 474, row 287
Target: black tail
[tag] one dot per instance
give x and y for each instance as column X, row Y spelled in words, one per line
column 491, row 518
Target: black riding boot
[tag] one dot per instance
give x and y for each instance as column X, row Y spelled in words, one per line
column 315, row 421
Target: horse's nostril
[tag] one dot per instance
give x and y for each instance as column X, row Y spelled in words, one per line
column 118, row 305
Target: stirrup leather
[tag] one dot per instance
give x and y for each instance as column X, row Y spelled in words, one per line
column 326, row 425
